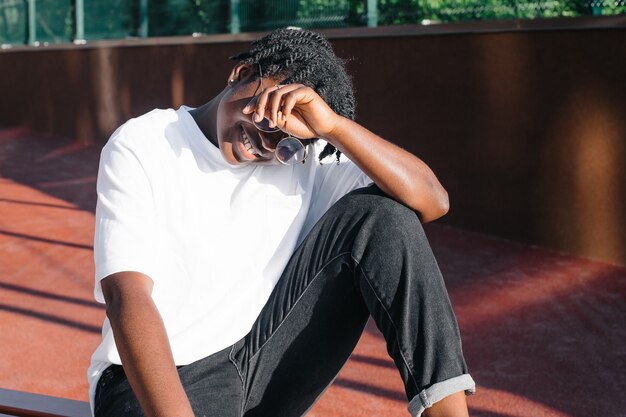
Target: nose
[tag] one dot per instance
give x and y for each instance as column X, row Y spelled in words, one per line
column 270, row 140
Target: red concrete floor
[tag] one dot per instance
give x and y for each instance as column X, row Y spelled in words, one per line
column 543, row 332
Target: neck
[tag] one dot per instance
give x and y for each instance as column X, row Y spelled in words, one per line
column 206, row 118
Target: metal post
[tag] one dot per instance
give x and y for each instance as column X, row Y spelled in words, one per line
column 235, row 24
column 143, row 18
column 596, row 8
column 79, row 20
column 32, row 23
column 372, row 13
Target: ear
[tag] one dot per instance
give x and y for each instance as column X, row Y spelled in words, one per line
column 240, row 72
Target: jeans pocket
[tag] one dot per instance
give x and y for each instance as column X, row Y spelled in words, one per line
column 98, row 394
column 107, row 378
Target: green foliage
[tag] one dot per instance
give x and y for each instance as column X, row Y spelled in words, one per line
column 54, row 21
column 320, row 13
column 12, row 22
column 271, row 14
column 416, row 11
column 185, row 17
column 109, row 19
column 106, row 19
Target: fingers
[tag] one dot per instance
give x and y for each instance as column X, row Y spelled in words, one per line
column 251, row 105
column 261, row 103
column 277, row 103
column 274, row 105
column 289, row 102
column 271, row 103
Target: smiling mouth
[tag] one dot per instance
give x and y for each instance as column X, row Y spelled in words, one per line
column 247, row 144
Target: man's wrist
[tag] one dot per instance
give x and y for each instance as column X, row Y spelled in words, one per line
column 335, row 136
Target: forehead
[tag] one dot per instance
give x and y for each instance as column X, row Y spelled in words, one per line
column 261, row 83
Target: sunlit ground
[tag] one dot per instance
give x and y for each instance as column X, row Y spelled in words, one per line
column 543, row 331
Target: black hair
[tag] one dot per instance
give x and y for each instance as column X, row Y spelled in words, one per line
column 305, row 57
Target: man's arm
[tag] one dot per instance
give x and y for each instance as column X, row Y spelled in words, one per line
column 399, row 173
column 143, row 345
column 298, row 110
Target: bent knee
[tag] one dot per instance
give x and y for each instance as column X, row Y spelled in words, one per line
column 382, row 211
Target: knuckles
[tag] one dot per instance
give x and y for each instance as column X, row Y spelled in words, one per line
column 270, row 95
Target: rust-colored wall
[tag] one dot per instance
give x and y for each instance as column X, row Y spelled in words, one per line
column 526, row 130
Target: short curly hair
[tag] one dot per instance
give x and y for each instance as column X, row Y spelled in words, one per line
column 305, row 57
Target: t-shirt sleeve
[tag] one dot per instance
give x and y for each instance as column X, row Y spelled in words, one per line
column 332, row 181
column 337, row 179
column 124, row 224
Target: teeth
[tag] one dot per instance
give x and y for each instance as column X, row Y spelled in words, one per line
column 247, row 144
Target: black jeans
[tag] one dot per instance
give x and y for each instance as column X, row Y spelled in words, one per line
column 368, row 255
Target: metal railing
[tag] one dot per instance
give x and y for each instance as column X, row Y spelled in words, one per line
column 22, row 404
column 36, row 22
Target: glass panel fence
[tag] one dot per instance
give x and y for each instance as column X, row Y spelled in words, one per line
column 57, row 21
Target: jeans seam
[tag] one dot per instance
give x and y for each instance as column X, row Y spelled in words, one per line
column 296, row 302
column 393, row 324
column 232, row 360
column 243, row 385
column 289, row 313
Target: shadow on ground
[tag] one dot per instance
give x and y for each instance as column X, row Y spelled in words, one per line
column 542, row 331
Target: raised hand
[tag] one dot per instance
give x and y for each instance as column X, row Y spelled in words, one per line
column 295, row 109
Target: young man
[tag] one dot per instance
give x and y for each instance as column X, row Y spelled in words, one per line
column 239, row 271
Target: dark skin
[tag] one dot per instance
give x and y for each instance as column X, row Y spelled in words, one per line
column 140, row 335
column 299, row 111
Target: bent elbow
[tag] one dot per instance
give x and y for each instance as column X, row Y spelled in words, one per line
column 438, row 207
column 444, row 203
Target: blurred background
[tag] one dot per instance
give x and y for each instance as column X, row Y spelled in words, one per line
column 56, row 21
column 518, row 105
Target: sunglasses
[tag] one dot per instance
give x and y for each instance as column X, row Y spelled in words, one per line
column 289, row 150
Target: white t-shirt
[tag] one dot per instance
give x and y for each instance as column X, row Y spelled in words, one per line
column 213, row 237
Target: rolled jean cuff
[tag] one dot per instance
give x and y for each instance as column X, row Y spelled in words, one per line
column 439, row 391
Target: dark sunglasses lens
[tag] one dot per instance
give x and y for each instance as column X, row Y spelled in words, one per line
column 264, row 125
column 290, row 151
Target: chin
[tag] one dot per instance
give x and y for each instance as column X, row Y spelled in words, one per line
column 226, row 149
column 232, row 160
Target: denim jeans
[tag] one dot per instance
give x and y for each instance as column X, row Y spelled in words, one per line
column 367, row 256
